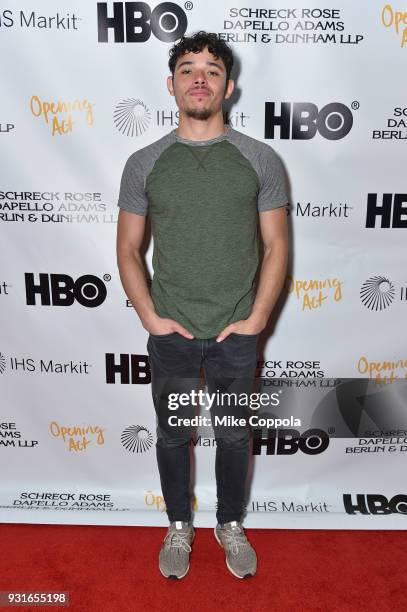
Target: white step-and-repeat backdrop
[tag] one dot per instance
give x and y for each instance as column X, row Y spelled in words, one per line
column 84, row 86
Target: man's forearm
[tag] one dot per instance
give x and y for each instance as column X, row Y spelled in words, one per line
column 134, row 283
column 272, row 276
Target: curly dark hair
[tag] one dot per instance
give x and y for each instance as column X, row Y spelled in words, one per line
column 196, row 43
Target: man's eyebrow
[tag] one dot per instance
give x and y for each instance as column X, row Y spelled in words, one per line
column 219, row 66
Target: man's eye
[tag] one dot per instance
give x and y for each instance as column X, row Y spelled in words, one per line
column 185, row 71
column 213, row 72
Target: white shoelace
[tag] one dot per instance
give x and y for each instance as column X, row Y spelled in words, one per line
column 178, row 540
column 235, row 538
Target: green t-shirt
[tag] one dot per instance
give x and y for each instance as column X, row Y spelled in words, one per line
column 203, row 198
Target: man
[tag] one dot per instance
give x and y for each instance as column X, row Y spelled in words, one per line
column 207, row 188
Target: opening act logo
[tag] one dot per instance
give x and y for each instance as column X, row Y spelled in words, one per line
column 78, row 438
column 312, row 293
column 396, row 21
column 59, row 115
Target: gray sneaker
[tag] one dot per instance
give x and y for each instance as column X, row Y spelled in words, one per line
column 174, row 554
column 241, row 557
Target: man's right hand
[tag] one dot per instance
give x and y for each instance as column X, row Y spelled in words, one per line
column 159, row 326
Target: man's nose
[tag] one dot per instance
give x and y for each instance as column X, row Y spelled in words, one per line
column 200, row 78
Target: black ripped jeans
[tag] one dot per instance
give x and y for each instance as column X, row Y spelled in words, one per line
column 172, row 356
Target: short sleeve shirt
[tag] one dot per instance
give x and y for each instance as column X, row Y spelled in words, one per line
column 203, row 199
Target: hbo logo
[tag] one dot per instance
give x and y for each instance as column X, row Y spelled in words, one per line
column 301, row 122
column 375, row 504
column 62, row 290
column 167, row 22
column 289, row 441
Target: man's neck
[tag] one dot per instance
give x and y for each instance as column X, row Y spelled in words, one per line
column 193, row 129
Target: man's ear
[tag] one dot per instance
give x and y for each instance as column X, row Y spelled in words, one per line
column 170, row 85
column 229, row 89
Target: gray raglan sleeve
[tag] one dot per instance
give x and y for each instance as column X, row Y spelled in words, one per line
column 132, row 196
column 273, row 191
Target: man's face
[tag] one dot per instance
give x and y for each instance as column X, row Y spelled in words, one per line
column 199, row 84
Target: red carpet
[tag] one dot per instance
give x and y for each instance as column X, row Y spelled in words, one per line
column 114, row 569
